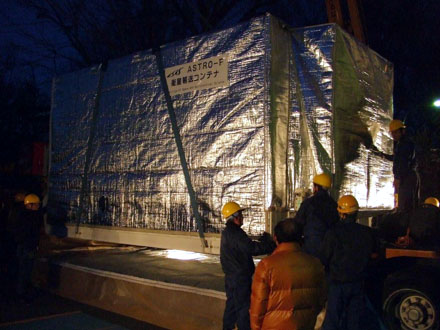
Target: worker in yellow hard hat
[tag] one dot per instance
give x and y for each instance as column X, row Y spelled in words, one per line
column 32, row 202
column 29, row 227
column 345, row 253
column 406, row 177
column 317, row 214
column 236, row 251
column 424, row 225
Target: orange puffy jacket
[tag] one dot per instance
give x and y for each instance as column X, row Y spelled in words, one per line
column 288, row 290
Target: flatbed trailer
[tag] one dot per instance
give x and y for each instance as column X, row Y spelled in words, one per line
column 403, row 283
column 397, row 252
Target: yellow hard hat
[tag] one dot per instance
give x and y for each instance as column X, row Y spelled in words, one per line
column 230, row 208
column 31, row 199
column 433, row 201
column 396, row 124
column 323, row 180
column 347, row 204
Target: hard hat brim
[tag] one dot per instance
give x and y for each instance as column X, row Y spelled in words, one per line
column 239, row 210
column 348, row 210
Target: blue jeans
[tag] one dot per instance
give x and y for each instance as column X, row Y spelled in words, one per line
column 238, row 295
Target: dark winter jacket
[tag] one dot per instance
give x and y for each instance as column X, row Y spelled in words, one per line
column 13, row 217
column 28, row 228
column 237, row 249
column 424, row 226
column 346, row 251
column 316, row 214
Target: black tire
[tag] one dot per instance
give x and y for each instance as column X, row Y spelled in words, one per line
column 410, row 306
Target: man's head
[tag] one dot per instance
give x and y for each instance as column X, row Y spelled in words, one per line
column 348, row 208
column 233, row 212
column 397, row 129
column 32, row 202
column 287, row 231
column 321, row 181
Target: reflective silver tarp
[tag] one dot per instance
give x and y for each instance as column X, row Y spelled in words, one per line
column 341, row 107
column 295, row 103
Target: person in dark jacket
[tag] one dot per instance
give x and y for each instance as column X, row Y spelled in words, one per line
column 317, row 214
column 424, row 225
column 419, row 228
column 236, row 251
column 346, row 252
column 27, row 236
column 406, row 177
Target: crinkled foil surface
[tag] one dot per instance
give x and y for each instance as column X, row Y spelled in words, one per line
column 341, row 107
column 319, row 103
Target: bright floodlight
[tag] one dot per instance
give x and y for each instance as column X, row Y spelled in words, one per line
column 437, row 103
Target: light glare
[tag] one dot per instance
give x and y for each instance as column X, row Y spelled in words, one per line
column 184, row 255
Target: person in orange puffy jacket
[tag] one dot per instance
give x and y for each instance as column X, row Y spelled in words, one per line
column 288, row 289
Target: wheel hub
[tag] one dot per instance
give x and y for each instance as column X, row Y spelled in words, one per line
column 416, row 312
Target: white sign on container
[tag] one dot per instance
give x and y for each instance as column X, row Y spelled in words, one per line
column 207, row 73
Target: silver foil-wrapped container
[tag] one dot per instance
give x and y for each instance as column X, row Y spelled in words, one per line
column 342, row 95
column 260, row 109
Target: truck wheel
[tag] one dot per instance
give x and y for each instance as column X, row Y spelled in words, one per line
column 410, row 308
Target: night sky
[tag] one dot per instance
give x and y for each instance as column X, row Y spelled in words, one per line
column 403, row 31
